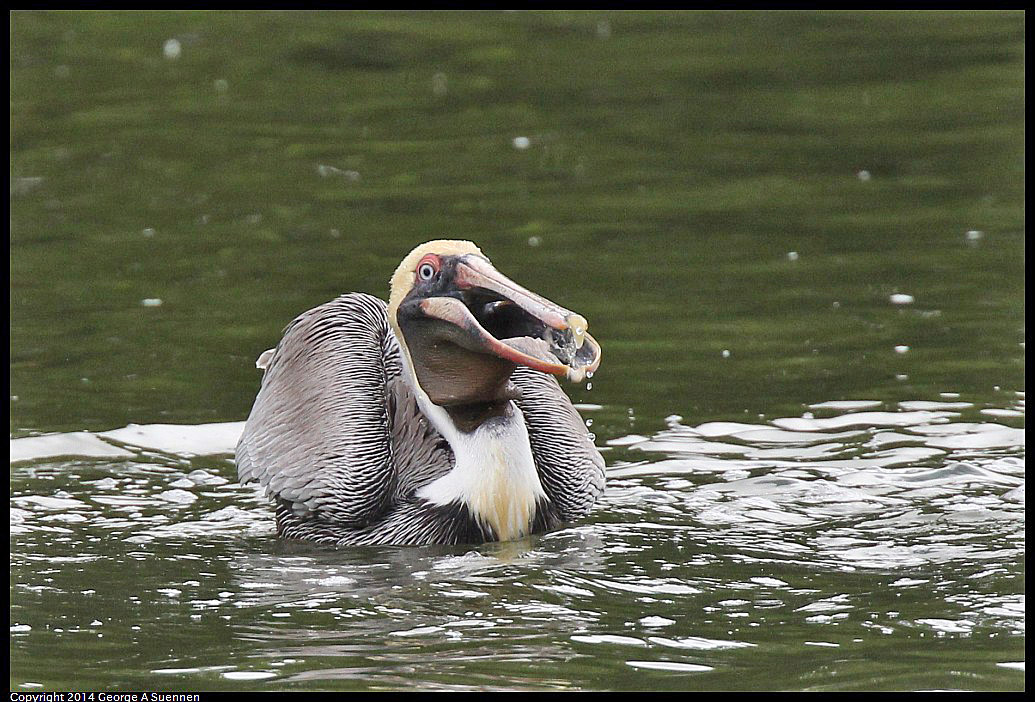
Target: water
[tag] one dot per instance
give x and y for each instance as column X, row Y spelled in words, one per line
column 811, row 399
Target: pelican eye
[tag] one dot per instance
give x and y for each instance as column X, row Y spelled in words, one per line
column 426, row 271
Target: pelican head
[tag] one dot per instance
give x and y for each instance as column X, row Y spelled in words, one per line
column 464, row 327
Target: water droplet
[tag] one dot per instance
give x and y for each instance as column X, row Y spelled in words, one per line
column 589, row 422
column 589, row 386
column 901, row 376
column 439, row 84
column 974, row 235
column 534, row 240
column 148, row 232
column 863, row 175
column 901, row 348
column 901, row 299
column 172, row 49
column 725, row 353
column 521, row 143
column 589, row 374
column 792, row 255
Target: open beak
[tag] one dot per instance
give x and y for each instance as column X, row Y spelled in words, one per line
column 499, row 317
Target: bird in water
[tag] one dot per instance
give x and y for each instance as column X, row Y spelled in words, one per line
column 433, row 419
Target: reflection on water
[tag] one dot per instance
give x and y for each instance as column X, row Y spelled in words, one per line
column 846, row 527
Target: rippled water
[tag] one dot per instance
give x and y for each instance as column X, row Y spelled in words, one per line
column 798, row 237
column 720, row 553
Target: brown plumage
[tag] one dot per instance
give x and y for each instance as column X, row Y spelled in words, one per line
column 340, row 437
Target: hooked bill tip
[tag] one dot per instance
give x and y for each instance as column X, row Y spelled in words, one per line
column 578, row 324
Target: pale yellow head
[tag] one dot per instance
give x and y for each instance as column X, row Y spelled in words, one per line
column 443, row 295
column 403, row 278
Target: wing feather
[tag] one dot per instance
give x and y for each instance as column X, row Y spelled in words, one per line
column 570, row 466
column 319, row 433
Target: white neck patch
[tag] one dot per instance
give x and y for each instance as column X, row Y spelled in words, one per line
column 494, row 474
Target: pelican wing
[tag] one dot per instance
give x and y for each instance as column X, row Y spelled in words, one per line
column 570, row 466
column 319, row 436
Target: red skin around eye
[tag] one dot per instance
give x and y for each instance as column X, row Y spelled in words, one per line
column 432, row 259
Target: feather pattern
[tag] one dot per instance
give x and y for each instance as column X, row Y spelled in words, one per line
column 337, row 438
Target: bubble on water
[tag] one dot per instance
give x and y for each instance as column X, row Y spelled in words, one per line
column 670, row 666
column 148, row 232
column 23, row 186
column 328, row 171
column 589, row 422
column 177, row 496
column 901, row 299
column 521, row 143
column 901, row 376
column 534, row 240
column 725, row 353
column 901, row 348
column 151, row 302
column 172, row 49
column 835, row 304
column 863, row 175
column 997, row 412
column 589, row 386
column 439, row 84
column 249, row 675
column 792, row 255
column 656, row 621
column 974, row 235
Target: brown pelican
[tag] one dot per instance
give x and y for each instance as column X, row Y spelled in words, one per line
column 434, row 419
